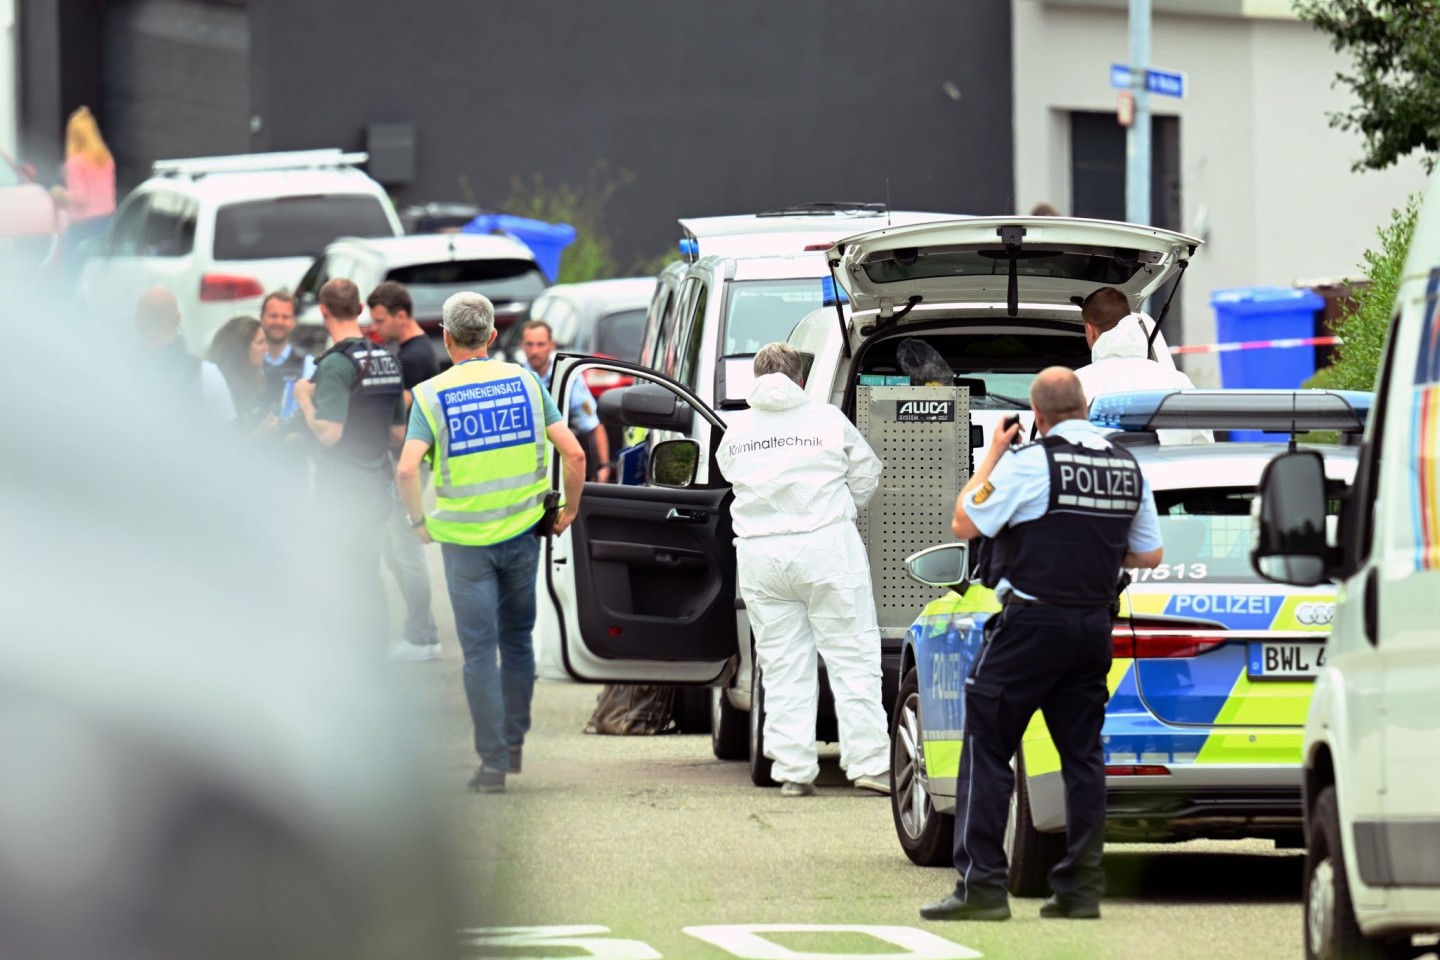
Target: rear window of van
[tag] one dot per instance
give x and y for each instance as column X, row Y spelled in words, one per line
column 295, row 226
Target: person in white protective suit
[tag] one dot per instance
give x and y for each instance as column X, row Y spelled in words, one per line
column 1120, row 358
column 801, row 473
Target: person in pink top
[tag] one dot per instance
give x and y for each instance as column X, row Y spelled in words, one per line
column 89, row 190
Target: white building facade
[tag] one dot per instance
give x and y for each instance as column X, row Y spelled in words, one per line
column 1247, row 160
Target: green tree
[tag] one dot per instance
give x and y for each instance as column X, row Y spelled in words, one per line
column 1395, row 74
column 1366, row 319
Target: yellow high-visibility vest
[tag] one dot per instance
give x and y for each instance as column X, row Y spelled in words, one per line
column 490, row 456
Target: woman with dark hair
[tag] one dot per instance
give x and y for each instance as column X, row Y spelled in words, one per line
column 239, row 351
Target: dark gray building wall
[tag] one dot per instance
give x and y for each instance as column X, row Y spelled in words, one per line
column 713, row 107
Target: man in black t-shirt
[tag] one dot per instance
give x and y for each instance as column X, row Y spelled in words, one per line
column 391, row 321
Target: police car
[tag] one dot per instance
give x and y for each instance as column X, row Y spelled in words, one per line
column 1213, row 667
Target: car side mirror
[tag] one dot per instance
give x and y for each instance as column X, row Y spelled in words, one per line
column 1290, row 533
column 947, row 565
column 644, row 405
column 673, row 463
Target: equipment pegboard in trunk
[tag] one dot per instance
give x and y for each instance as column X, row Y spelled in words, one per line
column 923, row 436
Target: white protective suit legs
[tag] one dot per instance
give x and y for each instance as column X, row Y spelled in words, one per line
column 807, row 593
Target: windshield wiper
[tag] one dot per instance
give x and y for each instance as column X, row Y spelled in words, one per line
column 1017, row 404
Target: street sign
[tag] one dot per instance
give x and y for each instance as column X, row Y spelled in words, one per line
column 1166, row 83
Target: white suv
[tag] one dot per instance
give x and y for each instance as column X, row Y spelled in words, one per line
column 221, row 232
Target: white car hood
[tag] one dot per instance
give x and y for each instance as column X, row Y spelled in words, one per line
column 966, row 262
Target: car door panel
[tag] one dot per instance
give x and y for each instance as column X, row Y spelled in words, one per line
column 655, row 581
column 641, row 587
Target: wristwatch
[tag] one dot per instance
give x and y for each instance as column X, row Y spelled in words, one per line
column 417, row 524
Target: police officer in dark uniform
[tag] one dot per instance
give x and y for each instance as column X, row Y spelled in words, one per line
column 1061, row 517
column 354, row 407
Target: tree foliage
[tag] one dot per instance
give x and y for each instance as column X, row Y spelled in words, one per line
column 1366, row 319
column 1395, row 73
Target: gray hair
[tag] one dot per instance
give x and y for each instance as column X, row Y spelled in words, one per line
column 469, row 318
column 779, row 358
column 1058, row 394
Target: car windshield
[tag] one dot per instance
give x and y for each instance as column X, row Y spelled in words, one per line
column 620, row 333
column 295, row 226
column 758, row 312
column 1208, row 534
column 500, row 279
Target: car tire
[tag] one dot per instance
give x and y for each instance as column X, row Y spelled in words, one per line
column 1031, row 853
column 927, row 837
column 729, row 730
column 760, row 765
column 692, row 709
column 1331, row 930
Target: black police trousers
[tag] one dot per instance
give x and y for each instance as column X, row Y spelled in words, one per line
column 1036, row 657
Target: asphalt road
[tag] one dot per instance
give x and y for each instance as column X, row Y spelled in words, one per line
column 629, row 841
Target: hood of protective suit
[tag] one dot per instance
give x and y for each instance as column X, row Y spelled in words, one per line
column 775, row 391
column 1126, row 340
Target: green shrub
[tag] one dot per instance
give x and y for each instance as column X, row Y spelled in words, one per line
column 1366, row 321
column 592, row 256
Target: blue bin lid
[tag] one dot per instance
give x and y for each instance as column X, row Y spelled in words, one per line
column 1266, row 299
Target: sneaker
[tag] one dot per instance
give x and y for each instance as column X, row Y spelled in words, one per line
column 515, row 756
column 487, row 781
column 879, row 785
column 791, row 788
column 405, row 650
column 953, row 908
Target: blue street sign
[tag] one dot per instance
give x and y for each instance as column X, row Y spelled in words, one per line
column 1166, row 83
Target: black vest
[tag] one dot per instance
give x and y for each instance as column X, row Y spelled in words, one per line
column 276, row 374
column 373, row 397
column 1072, row 554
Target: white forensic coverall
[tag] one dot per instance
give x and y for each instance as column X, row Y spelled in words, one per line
column 801, row 472
column 1120, row 363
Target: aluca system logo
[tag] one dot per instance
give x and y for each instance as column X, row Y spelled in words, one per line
column 925, row 411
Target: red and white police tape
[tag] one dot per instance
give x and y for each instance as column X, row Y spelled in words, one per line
column 1258, row 345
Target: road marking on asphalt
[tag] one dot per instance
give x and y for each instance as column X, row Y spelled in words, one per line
column 748, row 942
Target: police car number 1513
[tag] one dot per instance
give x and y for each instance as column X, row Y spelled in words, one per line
column 1170, row 571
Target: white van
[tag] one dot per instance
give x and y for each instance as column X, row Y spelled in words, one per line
column 641, row 588
column 1372, row 741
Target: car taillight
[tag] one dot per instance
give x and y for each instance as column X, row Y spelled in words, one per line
column 600, row 380
column 217, row 287
column 1146, row 643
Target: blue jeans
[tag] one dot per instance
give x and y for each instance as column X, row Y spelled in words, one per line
column 492, row 591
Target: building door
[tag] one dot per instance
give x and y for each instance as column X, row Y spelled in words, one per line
column 176, row 82
column 1097, row 181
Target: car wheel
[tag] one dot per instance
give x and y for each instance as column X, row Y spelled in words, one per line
column 1331, row 931
column 692, row 709
column 729, row 735
column 1031, row 853
column 760, row 765
column 926, row 837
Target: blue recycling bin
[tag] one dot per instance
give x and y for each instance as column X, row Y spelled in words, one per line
column 1265, row 313
column 547, row 241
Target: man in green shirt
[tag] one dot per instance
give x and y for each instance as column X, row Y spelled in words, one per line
column 354, row 407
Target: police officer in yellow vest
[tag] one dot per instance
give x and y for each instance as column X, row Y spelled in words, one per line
column 480, row 426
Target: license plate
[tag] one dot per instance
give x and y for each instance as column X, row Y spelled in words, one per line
column 1279, row 659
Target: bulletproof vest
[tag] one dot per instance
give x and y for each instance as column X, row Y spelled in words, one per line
column 372, row 400
column 276, row 374
column 1072, row 554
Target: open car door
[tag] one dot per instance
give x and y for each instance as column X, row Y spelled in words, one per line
column 641, row 587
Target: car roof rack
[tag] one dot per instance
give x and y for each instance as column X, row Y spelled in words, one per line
column 195, row 167
column 1281, row 411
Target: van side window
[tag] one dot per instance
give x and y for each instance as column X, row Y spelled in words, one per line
column 1357, row 526
column 169, row 229
column 674, row 329
column 126, row 237
column 694, row 338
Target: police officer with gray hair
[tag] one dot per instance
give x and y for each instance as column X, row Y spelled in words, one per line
column 1062, row 517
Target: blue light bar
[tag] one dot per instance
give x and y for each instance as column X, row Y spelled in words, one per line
column 827, row 292
column 689, row 247
column 1281, row 411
